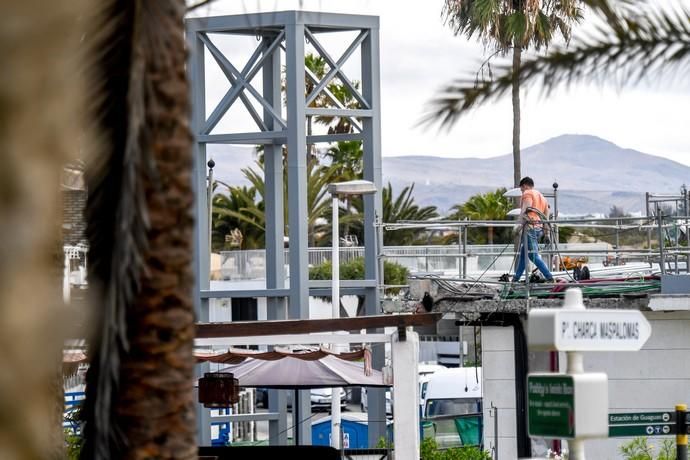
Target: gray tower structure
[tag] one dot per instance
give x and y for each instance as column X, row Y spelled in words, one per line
column 280, row 111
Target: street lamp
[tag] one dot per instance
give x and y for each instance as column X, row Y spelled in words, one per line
column 349, row 188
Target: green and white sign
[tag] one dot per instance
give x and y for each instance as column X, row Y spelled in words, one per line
column 641, row 418
column 641, row 430
column 642, row 424
column 551, row 406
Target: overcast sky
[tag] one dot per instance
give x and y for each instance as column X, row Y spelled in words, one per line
column 419, row 55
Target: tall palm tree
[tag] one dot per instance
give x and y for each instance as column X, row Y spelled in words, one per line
column 506, row 25
column 246, row 209
column 394, row 209
column 401, row 208
column 632, row 44
column 484, row 206
column 238, row 210
column 339, row 124
column 139, row 395
column 347, row 159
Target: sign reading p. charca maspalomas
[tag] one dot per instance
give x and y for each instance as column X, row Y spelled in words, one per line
column 588, row 330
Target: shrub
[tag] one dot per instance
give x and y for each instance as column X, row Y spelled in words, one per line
column 429, row 451
column 394, row 273
column 639, row 449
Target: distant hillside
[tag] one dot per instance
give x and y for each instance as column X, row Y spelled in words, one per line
column 593, row 174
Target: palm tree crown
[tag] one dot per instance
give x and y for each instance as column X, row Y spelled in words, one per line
column 506, row 25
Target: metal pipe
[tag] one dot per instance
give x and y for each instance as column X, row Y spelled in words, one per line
column 495, row 411
column 687, row 227
column 649, row 231
column 461, row 260
column 335, row 313
column 464, row 250
column 211, row 164
column 682, row 433
column 618, row 245
column 555, row 211
column 525, row 254
column 662, row 262
column 380, row 259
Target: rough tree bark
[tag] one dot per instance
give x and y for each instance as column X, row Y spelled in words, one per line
column 140, row 381
column 155, row 400
column 517, row 57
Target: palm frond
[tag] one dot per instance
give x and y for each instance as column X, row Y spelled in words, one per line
column 628, row 51
column 116, row 216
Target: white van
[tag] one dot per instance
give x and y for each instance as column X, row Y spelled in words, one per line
column 454, row 391
column 426, row 370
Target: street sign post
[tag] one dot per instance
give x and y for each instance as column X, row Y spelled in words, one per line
column 575, row 405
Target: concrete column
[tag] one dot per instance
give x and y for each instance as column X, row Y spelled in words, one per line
column 405, row 356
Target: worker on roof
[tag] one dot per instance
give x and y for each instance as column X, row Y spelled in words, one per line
column 534, row 208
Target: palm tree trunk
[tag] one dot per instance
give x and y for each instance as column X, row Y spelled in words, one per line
column 490, row 235
column 156, row 404
column 517, row 57
column 140, row 381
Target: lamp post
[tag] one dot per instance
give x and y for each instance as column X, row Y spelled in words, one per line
column 209, row 197
column 354, row 187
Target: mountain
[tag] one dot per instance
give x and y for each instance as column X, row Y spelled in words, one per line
column 592, row 174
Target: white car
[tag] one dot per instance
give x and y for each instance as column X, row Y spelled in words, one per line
column 321, row 398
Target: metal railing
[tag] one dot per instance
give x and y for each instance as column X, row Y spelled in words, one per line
column 463, row 260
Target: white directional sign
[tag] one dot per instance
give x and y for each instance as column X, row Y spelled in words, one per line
column 579, row 329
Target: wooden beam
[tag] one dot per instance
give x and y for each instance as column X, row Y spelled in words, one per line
column 292, row 339
column 306, row 326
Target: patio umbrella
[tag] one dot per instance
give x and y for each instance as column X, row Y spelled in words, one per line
column 291, row 373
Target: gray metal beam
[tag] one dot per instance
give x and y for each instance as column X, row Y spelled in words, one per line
column 201, row 258
column 224, row 65
column 335, row 67
column 245, row 293
column 361, row 113
column 371, row 146
column 355, row 287
column 274, row 133
column 275, row 255
column 315, row 139
column 298, row 306
column 265, row 137
column 247, row 24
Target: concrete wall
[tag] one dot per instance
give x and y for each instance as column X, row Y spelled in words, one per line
column 498, row 371
column 653, row 379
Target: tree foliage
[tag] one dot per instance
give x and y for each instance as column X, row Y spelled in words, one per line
column 506, row 25
column 403, row 208
column 485, row 206
column 632, row 44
